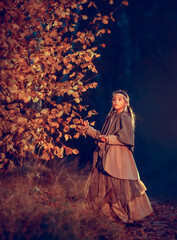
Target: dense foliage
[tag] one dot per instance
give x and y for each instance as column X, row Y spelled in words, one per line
column 47, row 53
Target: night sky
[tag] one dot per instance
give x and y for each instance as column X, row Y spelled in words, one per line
column 141, row 58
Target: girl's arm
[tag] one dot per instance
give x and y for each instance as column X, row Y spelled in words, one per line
column 90, row 130
column 93, row 132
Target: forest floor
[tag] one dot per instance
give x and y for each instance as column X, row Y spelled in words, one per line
column 38, row 203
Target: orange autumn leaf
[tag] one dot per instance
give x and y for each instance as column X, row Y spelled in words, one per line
column 125, row 3
column 92, row 112
column 75, row 151
column 58, row 151
column 24, row 96
column 111, row 2
column 84, row 17
column 45, row 111
column 71, row 29
column 105, row 21
column 77, row 135
column 92, row 123
column 21, row 120
column 45, row 156
column 44, row 70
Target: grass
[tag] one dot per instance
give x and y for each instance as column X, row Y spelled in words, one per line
column 48, row 203
column 40, row 203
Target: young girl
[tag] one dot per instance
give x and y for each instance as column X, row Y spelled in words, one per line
column 114, row 185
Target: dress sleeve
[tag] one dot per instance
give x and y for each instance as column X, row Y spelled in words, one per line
column 93, row 132
column 125, row 135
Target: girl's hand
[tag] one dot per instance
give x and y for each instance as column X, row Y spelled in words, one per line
column 103, row 138
column 84, row 123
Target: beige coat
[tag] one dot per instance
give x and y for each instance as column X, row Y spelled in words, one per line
column 117, row 156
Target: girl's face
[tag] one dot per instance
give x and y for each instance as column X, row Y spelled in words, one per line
column 118, row 102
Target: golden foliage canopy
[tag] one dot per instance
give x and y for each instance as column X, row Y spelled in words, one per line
column 46, row 62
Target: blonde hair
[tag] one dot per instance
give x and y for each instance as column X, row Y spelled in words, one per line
column 127, row 108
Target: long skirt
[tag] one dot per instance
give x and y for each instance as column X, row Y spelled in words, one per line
column 119, row 199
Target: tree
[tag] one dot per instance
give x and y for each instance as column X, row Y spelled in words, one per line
column 47, row 63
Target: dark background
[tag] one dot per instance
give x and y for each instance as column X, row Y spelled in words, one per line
column 141, row 58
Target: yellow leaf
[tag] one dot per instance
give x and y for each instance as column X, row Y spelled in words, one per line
column 24, row 96
column 112, row 18
column 45, row 111
column 71, row 29
column 29, row 84
column 49, row 93
column 72, row 126
column 46, row 156
column 87, row 58
column 72, row 75
column 2, row 155
column 30, row 77
column 105, row 21
column 84, row 90
column 8, row 99
column 25, row 148
column 125, row 3
column 66, row 137
column 58, row 151
column 15, row 26
column 48, row 27
column 36, row 99
column 77, row 135
column 75, row 87
column 9, row 147
column 21, row 60
column 92, row 123
column 54, row 33
column 75, row 151
column 77, row 100
column 52, row 130
column 13, row 128
column 38, row 68
column 69, row 92
column 84, row 17
column 92, row 4
column 76, row 121
column 69, row 66
column 91, row 112
column 75, row 94
column 59, row 114
column 53, row 124
column 20, row 130
column 97, row 55
column 39, row 120
column 21, row 120
column 47, row 54
column 56, row 23
column 95, row 84
column 36, row 59
column 37, row 115
column 12, row 88
column 64, row 72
